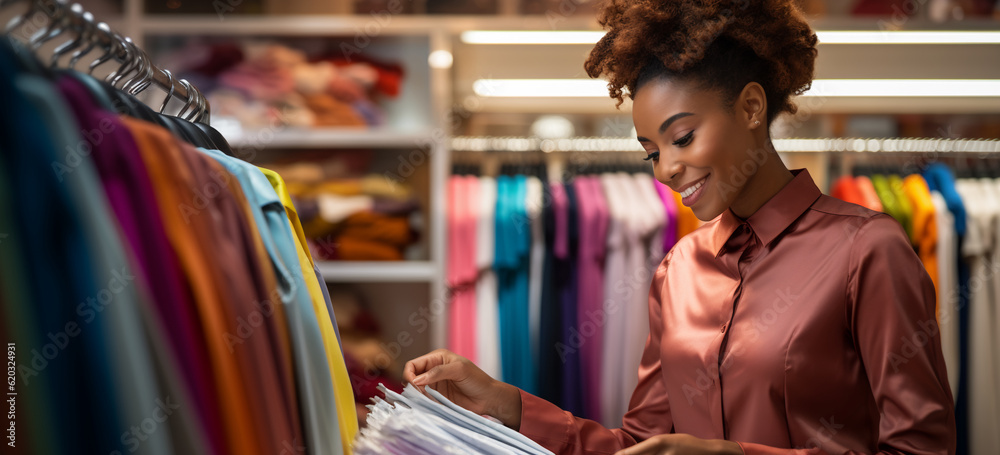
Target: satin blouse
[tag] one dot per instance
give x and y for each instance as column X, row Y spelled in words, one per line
column 807, row 328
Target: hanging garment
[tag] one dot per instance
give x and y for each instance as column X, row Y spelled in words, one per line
column 487, row 311
column 705, row 366
column 550, row 384
column 947, row 253
column 939, row 178
column 868, row 194
column 896, row 185
column 687, row 221
column 847, row 189
column 978, row 248
column 588, row 329
column 893, row 202
column 925, row 230
column 616, row 297
column 670, row 206
column 56, row 240
column 569, row 346
column 533, row 207
column 639, row 265
column 312, row 372
column 512, row 262
column 463, row 197
column 172, row 308
column 189, row 236
column 346, row 413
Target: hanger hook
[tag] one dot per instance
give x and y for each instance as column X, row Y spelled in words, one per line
column 170, row 90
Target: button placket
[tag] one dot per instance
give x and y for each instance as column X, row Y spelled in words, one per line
column 743, row 240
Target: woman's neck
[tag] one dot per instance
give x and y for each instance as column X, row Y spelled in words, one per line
column 770, row 178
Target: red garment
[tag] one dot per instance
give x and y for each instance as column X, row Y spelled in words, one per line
column 846, row 189
column 809, row 325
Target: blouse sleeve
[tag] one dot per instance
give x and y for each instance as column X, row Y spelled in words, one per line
column 891, row 314
column 649, row 409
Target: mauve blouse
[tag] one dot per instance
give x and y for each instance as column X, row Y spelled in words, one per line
column 808, row 326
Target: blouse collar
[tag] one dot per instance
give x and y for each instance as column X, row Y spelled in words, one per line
column 775, row 215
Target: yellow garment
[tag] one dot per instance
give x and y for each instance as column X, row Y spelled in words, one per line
column 686, row 219
column 344, row 393
column 924, row 223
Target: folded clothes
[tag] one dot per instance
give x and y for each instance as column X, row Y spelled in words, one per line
column 330, row 111
column 373, row 227
column 334, row 209
column 352, row 249
column 395, row 207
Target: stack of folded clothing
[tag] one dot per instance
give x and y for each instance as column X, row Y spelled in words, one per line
column 265, row 85
column 366, row 218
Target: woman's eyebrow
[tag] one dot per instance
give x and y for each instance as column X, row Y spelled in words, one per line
column 666, row 123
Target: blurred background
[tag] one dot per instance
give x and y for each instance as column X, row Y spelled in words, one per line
column 371, row 109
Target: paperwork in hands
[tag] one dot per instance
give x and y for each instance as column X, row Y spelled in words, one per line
column 411, row 423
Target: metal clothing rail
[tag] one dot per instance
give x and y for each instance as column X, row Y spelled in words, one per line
column 81, row 35
column 625, row 144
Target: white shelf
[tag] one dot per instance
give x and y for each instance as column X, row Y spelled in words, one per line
column 791, row 145
column 388, row 271
column 329, row 138
column 349, row 25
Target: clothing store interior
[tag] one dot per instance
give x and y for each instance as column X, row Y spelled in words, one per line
column 240, row 219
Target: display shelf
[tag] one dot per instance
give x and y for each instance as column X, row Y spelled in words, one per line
column 292, row 138
column 361, row 25
column 399, row 271
column 791, row 145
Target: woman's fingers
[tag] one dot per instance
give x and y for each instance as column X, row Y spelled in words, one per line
column 651, row 446
column 422, row 364
column 451, row 371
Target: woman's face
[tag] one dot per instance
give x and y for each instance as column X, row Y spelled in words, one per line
column 705, row 152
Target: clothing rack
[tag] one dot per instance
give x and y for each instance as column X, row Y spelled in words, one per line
column 83, row 35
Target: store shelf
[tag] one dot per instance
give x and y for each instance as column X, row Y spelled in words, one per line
column 798, row 145
column 365, row 26
column 388, row 272
column 328, row 138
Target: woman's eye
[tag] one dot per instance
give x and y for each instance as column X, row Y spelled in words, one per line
column 655, row 156
column 684, row 141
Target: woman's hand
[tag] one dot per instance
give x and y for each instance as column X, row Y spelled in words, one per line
column 682, row 444
column 466, row 385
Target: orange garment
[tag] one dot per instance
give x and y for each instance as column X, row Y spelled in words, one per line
column 206, row 219
column 392, row 230
column 331, row 112
column 687, row 222
column 868, row 194
column 205, row 282
column 355, row 249
column 924, row 223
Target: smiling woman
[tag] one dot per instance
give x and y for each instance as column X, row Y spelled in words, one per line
column 790, row 322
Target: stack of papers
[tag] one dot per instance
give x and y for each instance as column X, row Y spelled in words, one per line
column 411, row 423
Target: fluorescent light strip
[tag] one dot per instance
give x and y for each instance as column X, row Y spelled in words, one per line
column 560, row 88
column 589, row 88
column 825, row 37
column 908, row 37
column 531, row 37
column 905, row 87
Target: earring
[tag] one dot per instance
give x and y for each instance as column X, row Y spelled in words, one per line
column 756, row 122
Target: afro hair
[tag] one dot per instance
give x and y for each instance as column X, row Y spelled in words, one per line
column 717, row 44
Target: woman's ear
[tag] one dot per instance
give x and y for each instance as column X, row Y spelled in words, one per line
column 751, row 107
